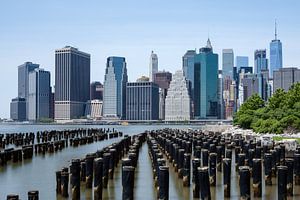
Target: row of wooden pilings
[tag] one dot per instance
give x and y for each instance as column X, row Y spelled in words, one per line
column 203, row 154
column 56, row 143
column 97, row 168
column 21, row 139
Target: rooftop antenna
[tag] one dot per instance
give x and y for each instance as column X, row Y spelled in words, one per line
column 275, row 29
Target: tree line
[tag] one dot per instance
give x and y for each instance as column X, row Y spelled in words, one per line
column 281, row 113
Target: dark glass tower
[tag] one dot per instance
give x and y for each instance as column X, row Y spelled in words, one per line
column 206, row 83
column 72, row 83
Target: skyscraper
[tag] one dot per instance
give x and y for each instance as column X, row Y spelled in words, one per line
column 188, row 67
column 39, row 95
column 23, row 74
column 275, row 54
column 23, row 80
column 162, row 79
column 178, row 101
column 241, row 61
column 18, row 109
column 114, row 96
column 206, row 83
column 260, row 60
column 72, row 83
column 96, row 91
column 153, row 66
column 142, row 101
column 228, row 59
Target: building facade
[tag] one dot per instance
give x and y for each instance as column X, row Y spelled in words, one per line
column 96, row 91
column 72, row 83
column 23, row 81
column 227, row 64
column 18, row 109
column 142, row 101
column 284, row 78
column 188, row 67
column 241, row 61
column 178, row 101
column 39, row 95
column 153, row 66
column 206, row 83
column 114, row 96
column 162, row 79
column 93, row 109
column 260, row 60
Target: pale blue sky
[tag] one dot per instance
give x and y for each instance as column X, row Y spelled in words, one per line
column 31, row 30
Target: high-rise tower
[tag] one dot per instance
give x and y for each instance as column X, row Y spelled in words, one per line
column 260, row 60
column 114, row 96
column 153, row 66
column 206, row 83
column 72, row 83
column 275, row 54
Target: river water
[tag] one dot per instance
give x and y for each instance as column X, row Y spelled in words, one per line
column 39, row 173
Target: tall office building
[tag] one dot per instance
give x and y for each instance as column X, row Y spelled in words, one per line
column 96, row 91
column 260, row 60
column 188, row 67
column 206, row 83
column 228, row 59
column 72, row 83
column 153, row 66
column 23, row 80
column 142, row 101
column 114, row 96
column 23, row 74
column 284, row 78
column 178, row 101
column 18, row 109
column 162, row 79
column 275, row 54
column 241, row 61
column 39, row 95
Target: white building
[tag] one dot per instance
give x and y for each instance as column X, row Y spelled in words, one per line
column 178, row 101
column 93, row 109
column 153, row 67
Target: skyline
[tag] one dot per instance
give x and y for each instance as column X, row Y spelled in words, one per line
column 169, row 29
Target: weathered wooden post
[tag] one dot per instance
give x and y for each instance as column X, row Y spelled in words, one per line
column 226, row 176
column 127, row 182
column 98, row 171
column 163, row 183
column 282, row 182
column 204, row 183
column 75, row 179
column 257, row 180
column 33, row 195
column 244, row 173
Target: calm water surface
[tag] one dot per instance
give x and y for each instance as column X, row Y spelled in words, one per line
column 39, row 173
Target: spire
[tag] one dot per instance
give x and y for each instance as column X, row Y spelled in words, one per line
column 275, row 29
column 208, row 45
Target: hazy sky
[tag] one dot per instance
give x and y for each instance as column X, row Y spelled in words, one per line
column 31, row 30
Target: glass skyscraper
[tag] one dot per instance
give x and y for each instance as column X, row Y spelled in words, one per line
column 114, row 96
column 206, row 83
column 241, row 61
column 275, row 54
column 188, row 66
column 227, row 65
column 260, row 60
